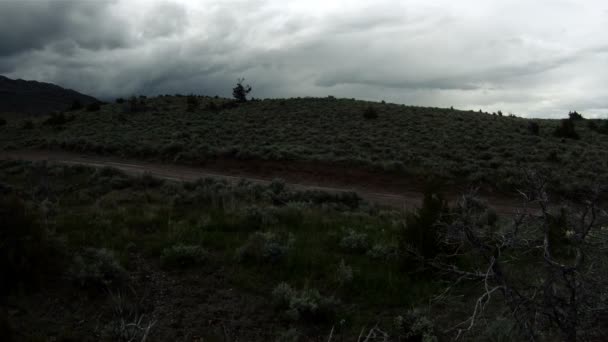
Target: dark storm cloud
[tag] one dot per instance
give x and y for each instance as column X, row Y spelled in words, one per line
column 27, row 25
column 495, row 55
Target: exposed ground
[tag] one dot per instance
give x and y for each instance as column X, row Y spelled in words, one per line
column 388, row 190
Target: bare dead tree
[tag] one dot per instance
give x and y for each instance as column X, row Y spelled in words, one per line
column 548, row 266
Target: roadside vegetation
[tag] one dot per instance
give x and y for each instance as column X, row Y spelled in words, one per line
column 460, row 147
column 94, row 254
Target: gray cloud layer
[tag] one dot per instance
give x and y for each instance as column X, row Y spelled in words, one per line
column 539, row 58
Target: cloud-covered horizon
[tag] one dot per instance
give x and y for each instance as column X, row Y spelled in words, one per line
column 538, row 59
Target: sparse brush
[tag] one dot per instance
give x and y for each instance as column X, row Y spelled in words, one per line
column 183, row 256
column 97, row 269
column 265, row 247
column 192, row 103
column 370, row 113
column 354, row 242
column 307, row 305
column 566, row 129
column 344, row 274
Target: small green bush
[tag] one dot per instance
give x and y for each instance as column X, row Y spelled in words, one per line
column 384, row 252
column 183, row 256
column 2, row 121
column 307, row 305
column 97, row 269
column 265, row 247
column 420, row 231
column 344, row 274
column 354, row 242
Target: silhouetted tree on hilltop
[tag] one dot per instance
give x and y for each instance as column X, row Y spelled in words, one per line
column 240, row 91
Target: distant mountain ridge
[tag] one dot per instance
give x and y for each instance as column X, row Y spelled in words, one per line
column 37, row 98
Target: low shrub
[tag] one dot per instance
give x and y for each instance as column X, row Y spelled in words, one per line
column 265, row 247
column 343, row 274
column 599, row 126
column 192, row 103
column 420, row 231
column 414, row 326
column 307, row 305
column 57, row 119
column 97, row 269
column 183, row 256
column 2, row 121
column 384, row 251
column 354, row 242
column 211, row 106
column 566, row 130
column 533, row 128
column 370, row 113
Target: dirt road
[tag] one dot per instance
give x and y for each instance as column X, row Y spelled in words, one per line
column 384, row 196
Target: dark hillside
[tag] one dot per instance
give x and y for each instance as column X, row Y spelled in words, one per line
column 462, row 147
column 37, row 98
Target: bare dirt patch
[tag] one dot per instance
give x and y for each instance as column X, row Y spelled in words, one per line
column 384, row 189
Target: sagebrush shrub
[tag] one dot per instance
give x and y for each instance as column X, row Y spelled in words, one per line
column 533, row 127
column 211, row 106
column 344, row 273
column 307, row 305
column 183, row 256
column 265, row 247
column 192, row 103
column 97, row 269
column 420, row 231
column 599, row 126
column 354, row 242
column 414, row 326
column 566, row 129
column 57, row 119
column 384, row 251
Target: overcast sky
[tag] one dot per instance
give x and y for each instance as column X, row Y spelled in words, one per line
column 537, row 58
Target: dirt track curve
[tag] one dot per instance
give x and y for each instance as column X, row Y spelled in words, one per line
column 400, row 199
